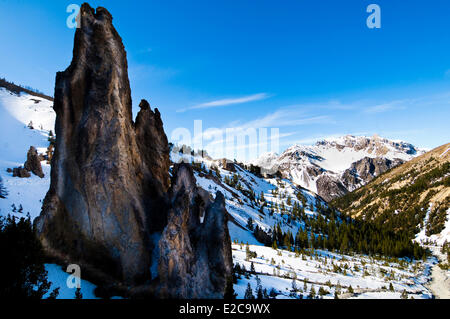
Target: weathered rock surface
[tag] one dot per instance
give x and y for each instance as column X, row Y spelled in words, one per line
column 110, row 194
column 153, row 144
column 360, row 173
column 96, row 211
column 195, row 247
column 363, row 171
column 328, row 187
column 20, row 172
column 33, row 163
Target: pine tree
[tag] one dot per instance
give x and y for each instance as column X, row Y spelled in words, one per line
column 250, row 223
column 404, row 294
column 272, row 293
column 22, row 274
column 312, row 293
column 391, row 287
column 252, row 268
column 350, row 289
column 294, row 285
column 274, row 245
column 54, row 294
column 247, row 253
column 3, row 191
column 78, row 294
column 229, row 291
column 323, row 292
column 259, row 294
column 249, row 292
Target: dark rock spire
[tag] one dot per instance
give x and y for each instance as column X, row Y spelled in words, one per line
column 97, row 211
column 110, row 194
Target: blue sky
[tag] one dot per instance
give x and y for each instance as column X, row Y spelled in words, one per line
column 313, row 69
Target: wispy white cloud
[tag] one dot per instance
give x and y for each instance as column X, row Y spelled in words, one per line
column 289, row 116
column 388, row 106
column 229, row 101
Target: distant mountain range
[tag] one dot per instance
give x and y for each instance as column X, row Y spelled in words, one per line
column 333, row 167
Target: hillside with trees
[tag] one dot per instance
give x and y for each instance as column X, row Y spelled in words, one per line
column 408, row 198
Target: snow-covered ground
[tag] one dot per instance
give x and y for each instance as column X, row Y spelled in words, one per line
column 368, row 277
column 16, row 112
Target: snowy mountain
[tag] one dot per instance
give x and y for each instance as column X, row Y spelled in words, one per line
column 333, row 167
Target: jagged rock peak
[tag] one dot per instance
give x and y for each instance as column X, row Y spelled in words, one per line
column 153, row 143
column 111, row 207
column 105, row 194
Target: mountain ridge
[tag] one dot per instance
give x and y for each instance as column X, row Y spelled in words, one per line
column 332, row 167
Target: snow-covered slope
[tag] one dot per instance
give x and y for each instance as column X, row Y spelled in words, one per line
column 276, row 269
column 16, row 113
column 326, row 167
column 244, row 200
column 287, row 275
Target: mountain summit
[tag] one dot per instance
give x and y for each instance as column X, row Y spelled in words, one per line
column 334, row 167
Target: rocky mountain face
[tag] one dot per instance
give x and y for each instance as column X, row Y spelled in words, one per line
column 332, row 168
column 110, row 194
column 363, row 171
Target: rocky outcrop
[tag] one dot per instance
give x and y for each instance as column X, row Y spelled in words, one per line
column 195, row 247
column 328, row 187
column 360, row 173
column 20, row 172
column 228, row 165
column 363, row 171
column 110, row 194
column 152, row 142
column 33, row 163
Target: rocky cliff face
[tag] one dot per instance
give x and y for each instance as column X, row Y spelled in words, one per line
column 195, row 255
column 329, row 187
column 109, row 190
column 366, row 169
